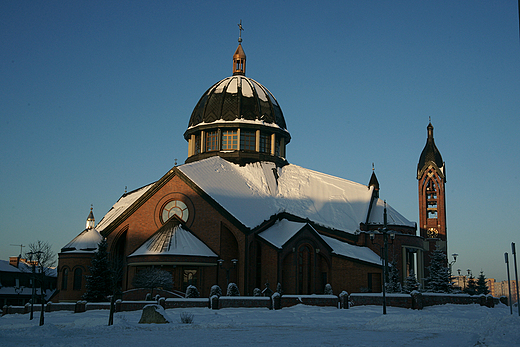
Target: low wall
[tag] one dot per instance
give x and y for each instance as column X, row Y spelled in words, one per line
column 314, row 300
column 416, row 300
column 244, row 301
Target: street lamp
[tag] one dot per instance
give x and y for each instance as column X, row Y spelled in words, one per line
column 221, row 265
column 454, row 255
column 385, row 232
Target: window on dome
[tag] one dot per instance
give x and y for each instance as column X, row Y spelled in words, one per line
column 247, row 140
column 265, row 143
column 277, row 147
column 229, row 140
column 211, row 141
column 197, row 144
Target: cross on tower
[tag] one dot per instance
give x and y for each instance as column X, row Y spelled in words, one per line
column 240, row 28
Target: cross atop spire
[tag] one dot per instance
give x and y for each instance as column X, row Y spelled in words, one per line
column 240, row 28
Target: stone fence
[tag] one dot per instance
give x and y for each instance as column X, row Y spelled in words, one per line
column 416, row 300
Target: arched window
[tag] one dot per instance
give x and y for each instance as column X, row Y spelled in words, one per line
column 78, row 275
column 64, row 278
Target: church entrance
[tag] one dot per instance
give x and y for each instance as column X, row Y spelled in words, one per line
column 305, row 267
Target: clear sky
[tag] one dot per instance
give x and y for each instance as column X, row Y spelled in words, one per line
column 96, row 95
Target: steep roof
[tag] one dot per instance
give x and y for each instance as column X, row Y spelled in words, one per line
column 173, row 239
column 86, row 242
column 255, row 192
column 283, row 230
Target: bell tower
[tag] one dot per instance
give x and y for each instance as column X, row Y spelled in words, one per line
column 431, row 174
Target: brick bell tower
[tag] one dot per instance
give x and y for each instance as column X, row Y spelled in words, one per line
column 431, row 173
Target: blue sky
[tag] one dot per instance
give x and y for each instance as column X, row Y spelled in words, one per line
column 96, row 95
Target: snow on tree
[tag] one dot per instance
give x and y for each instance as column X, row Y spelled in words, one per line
column 482, row 285
column 439, row 273
column 471, row 287
column 257, row 292
column 232, row 290
column 279, row 288
column 393, row 285
column 99, row 282
column 410, row 283
column 215, row 290
column 328, row 290
column 152, row 278
column 192, row 292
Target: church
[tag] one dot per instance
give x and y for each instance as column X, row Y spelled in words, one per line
column 238, row 211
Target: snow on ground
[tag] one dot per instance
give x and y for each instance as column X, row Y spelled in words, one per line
column 446, row 325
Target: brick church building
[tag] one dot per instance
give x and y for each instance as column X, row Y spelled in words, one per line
column 238, row 211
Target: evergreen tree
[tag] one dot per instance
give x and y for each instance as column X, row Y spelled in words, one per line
column 328, row 290
column 410, row 284
column 482, row 285
column 471, row 287
column 99, row 282
column 439, row 279
column 393, row 285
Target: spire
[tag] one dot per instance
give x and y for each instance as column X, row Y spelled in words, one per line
column 239, row 58
column 430, row 154
column 374, row 182
column 90, row 219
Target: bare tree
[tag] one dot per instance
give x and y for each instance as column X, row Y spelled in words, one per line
column 41, row 252
column 153, row 278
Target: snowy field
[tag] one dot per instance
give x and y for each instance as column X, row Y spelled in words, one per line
column 447, row 325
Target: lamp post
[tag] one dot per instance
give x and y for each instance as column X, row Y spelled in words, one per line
column 513, row 249
column 221, row 265
column 33, row 280
column 385, row 232
column 508, row 282
column 454, row 255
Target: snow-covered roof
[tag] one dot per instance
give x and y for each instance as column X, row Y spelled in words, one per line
column 174, row 240
column 26, row 268
column 283, row 230
column 253, row 194
column 6, row 267
column 352, row 251
column 86, row 242
column 393, row 217
column 121, row 205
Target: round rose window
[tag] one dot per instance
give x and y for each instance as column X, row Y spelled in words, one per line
column 175, row 207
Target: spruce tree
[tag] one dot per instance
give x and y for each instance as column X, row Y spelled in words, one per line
column 393, row 285
column 410, row 284
column 482, row 285
column 471, row 287
column 99, row 282
column 439, row 274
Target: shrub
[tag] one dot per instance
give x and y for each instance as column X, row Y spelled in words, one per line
column 328, row 290
column 192, row 292
column 215, row 290
column 257, row 292
column 186, row 318
column 232, row 290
